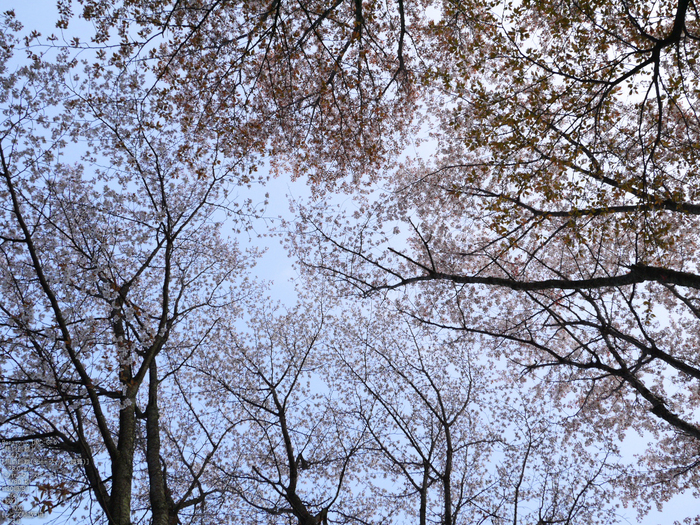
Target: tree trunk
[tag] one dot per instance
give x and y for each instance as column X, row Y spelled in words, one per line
column 123, row 466
column 162, row 505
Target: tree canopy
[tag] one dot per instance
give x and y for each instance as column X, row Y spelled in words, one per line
column 482, row 325
column 559, row 214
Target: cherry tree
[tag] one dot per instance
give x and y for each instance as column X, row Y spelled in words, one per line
column 461, row 442
column 558, row 215
column 328, row 89
column 297, row 454
column 417, row 402
column 114, row 272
